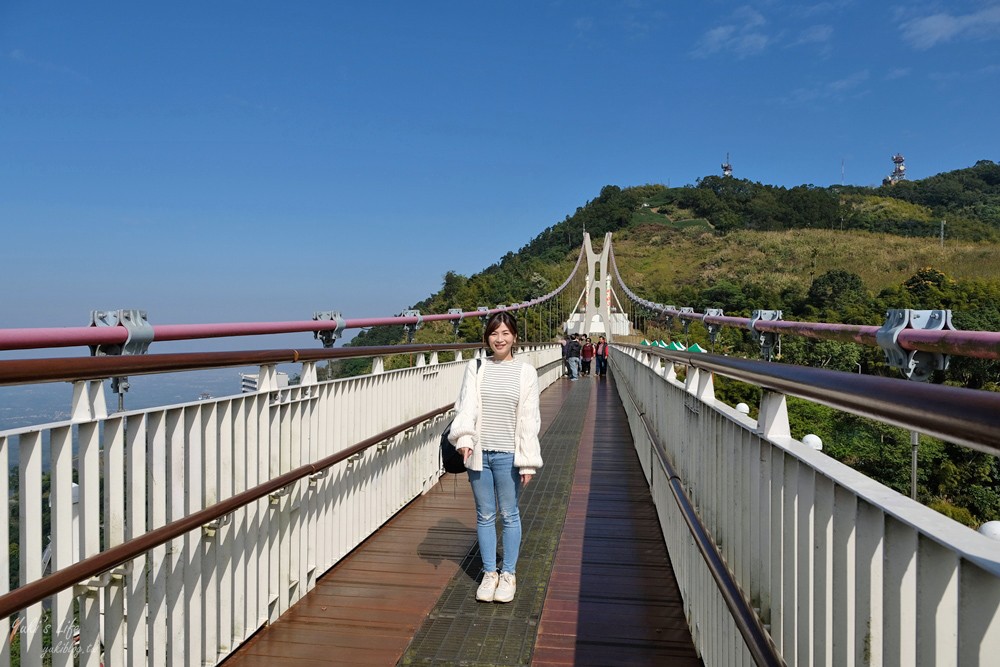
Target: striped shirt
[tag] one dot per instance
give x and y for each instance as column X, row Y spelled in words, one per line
column 501, row 390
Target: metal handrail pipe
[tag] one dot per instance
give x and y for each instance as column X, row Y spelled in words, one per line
column 758, row 642
column 36, row 591
column 72, row 369
column 51, row 337
column 725, row 320
column 962, row 416
column 977, row 344
column 27, row 339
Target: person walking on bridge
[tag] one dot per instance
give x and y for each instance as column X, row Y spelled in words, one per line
column 573, row 349
column 586, row 356
column 602, row 356
column 496, row 429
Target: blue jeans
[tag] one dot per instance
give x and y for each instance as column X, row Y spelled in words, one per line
column 499, row 481
column 574, row 367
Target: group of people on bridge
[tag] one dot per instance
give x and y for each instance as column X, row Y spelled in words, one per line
column 579, row 352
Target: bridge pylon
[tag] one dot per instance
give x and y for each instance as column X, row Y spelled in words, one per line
column 595, row 314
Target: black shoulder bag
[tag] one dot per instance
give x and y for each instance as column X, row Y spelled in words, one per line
column 451, row 458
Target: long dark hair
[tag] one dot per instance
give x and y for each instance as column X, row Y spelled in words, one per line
column 492, row 324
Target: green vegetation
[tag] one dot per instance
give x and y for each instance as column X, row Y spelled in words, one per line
column 838, row 254
column 969, row 199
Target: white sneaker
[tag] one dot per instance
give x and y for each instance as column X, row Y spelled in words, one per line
column 487, row 589
column 505, row 590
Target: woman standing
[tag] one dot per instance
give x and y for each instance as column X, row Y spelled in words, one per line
column 496, row 429
column 587, row 354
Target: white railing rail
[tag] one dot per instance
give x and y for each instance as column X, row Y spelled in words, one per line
column 841, row 569
column 112, row 478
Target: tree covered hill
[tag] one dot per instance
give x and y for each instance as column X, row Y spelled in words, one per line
column 740, row 245
column 967, row 199
column 837, row 254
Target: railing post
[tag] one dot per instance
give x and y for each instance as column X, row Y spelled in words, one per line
column 89, row 402
column 706, row 386
column 88, row 468
column 309, row 374
column 113, row 455
column 29, row 497
column 772, row 422
column 135, row 525
column 692, row 380
column 65, row 531
column 267, row 378
column 378, row 365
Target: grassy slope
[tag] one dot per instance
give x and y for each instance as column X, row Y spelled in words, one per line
column 653, row 255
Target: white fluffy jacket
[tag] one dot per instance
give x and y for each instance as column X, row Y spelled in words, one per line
column 465, row 427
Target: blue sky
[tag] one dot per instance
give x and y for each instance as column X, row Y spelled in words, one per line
column 256, row 161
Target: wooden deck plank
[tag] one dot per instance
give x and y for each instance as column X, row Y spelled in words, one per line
column 612, row 597
column 366, row 609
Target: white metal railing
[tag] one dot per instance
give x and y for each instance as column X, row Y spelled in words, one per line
column 841, row 569
column 193, row 600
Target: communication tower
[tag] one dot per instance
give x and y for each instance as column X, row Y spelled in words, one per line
column 727, row 167
column 898, row 173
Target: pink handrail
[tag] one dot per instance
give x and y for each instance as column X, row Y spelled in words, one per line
column 35, row 338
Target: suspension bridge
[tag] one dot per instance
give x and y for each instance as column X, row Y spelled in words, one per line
column 312, row 523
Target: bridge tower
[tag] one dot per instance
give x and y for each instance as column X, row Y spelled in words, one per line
column 597, row 318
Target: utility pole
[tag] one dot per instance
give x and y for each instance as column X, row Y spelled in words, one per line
column 942, row 233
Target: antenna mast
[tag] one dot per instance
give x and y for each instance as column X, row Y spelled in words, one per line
column 898, row 173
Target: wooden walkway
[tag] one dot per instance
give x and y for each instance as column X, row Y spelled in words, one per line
column 610, row 598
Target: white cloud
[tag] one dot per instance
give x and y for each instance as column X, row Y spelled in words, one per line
column 715, row 40
column 818, row 8
column 742, row 37
column 840, row 89
column 751, row 44
column 749, row 17
column 817, row 34
column 19, row 56
column 963, row 78
column 849, row 83
column 897, row 73
column 928, row 31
